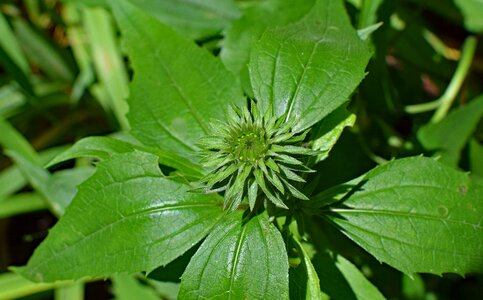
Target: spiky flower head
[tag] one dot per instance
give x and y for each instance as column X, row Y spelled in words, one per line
column 254, row 155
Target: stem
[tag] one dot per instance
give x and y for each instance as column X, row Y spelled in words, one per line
column 459, row 76
column 443, row 103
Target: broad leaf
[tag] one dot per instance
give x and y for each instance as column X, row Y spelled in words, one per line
column 125, row 218
column 239, row 261
column 340, row 279
column 417, row 215
column 310, row 68
column 104, row 147
column 449, row 136
column 195, row 19
column 177, row 86
column 240, row 36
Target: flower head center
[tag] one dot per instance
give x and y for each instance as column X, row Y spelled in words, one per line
column 250, row 147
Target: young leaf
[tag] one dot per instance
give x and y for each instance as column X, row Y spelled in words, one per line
column 340, row 279
column 239, row 261
column 125, row 218
column 308, row 69
column 177, row 86
column 416, row 215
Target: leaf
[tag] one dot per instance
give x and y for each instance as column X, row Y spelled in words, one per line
column 74, row 291
column 243, row 32
column 177, row 86
column 39, row 50
column 304, row 281
column 413, row 288
column 12, row 139
column 340, row 279
column 127, row 287
column 58, row 189
column 308, row 69
column 11, row 47
column 449, row 136
column 238, row 261
column 472, row 11
column 329, row 131
column 125, row 218
column 12, row 179
column 416, row 215
column 14, row 286
column 108, row 61
column 476, row 157
column 104, row 147
column 21, row 203
column 195, row 19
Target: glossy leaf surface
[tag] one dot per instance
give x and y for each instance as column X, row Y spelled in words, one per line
column 125, row 218
column 416, row 215
column 177, row 86
column 239, row 261
column 310, row 68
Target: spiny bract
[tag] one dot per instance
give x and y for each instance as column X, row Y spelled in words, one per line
column 251, row 155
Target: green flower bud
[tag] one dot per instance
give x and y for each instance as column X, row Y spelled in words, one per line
column 254, row 156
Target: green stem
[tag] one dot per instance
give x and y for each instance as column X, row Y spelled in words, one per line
column 459, row 76
column 443, row 103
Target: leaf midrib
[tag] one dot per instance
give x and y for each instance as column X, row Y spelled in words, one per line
column 122, row 218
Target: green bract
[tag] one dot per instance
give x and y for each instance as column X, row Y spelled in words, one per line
column 254, row 152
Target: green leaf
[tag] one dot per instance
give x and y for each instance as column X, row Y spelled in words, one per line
column 449, row 136
column 304, row 281
column 108, row 61
column 125, row 218
column 238, row 261
column 11, row 47
column 329, row 131
column 177, row 86
column 21, row 203
column 308, row 69
column 41, row 52
column 476, row 157
column 58, row 189
column 416, row 215
column 340, row 279
column 413, row 288
column 196, row 19
column 12, row 179
column 472, row 11
column 14, row 286
column 240, row 36
column 104, row 147
column 127, row 287
column 73, row 291
column 12, row 139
